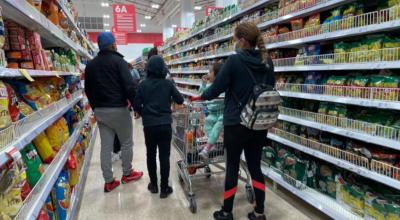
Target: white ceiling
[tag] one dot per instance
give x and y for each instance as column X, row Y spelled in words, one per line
column 170, row 8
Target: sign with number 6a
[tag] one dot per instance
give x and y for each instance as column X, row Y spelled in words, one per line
column 124, row 17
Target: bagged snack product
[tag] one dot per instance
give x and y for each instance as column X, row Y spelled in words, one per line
column 55, row 135
column 43, row 215
column 51, row 211
column 269, row 155
column 297, row 24
column 44, row 148
column 62, row 124
column 13, row 104
column 340, row 49
column 61, row 195
column 33, row 94
column 33, row 164
column 73, row 168
column 326, row 180
column 5, row 118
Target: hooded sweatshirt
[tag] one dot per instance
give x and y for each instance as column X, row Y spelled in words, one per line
column 155, row 93
column 234, row 78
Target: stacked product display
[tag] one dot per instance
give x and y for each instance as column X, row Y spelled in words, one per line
column 337, row 143
column 46, row 127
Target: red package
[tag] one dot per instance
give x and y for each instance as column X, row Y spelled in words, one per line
column 12, row 103
column 38, row 60
column 43, row 215
column 45, row 61
column 34, row 40
column 25, row 190
column 6, row 40
column 26, row 55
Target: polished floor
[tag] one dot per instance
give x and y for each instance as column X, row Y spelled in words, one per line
column 134, row 202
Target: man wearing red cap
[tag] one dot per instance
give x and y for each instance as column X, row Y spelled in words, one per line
column 108, row 86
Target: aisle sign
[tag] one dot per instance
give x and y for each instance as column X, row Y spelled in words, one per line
column 124, row 17
column 209, row 9
column 121, row 38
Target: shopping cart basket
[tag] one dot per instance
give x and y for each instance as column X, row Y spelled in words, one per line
column 189, row 138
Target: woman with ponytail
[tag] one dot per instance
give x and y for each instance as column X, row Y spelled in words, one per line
column 235, row 80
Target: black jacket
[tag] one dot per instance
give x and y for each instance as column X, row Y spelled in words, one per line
column 234, row 77
column 155, row 93
column 108, row 81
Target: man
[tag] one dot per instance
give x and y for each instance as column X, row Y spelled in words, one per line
column 108, row 86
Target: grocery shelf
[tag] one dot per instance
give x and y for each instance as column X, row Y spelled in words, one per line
column 316, row 199
column 37, row 198
column 363, row 131
column 28, row 16
column 8, row 72
column 387, row 175
column 377, row 21
column 77, row 192
column 72, row 21
column 223, row 52
column 224, row 20
column 362, row 60
column 188, row 82
column 203, row 42
column 188, row 71
column 302, row 11
column 352, row 95
column 25, row 130
column 188, row 93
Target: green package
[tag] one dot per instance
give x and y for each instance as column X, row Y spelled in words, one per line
column 33, row 163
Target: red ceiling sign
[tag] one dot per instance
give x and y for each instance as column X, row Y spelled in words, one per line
column 124, row 18
column 121, row 38
column 209, row 9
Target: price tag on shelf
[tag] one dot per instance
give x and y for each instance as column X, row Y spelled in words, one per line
column 14, row 153
column 57, row 73
column 25, row 73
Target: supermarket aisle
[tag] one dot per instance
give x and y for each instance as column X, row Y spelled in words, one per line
column 133, row 201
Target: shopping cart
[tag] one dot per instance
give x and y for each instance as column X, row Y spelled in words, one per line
column 189, row 138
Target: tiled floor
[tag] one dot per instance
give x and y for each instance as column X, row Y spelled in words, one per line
column 134, row 202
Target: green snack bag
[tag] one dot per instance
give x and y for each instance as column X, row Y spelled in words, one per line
column 33, row 163
column 269, row 155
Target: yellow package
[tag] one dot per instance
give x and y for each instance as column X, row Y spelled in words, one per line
column 55, row 134
column 62, row 124
column 5, row 118
column 44, row 148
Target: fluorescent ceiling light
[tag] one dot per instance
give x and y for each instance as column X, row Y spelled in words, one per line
column 197, row 8
column 139, row 31
column 106, row 16
column 174, row 25
column 106, row 25
column 142, row 25
column 148, row 17
column 105, row 4
column 156, row 6
column 107, row 30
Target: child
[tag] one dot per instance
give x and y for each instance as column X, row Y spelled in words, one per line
column 214, row 121
column 153, row 103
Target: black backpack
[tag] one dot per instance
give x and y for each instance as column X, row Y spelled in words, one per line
column 261, row 110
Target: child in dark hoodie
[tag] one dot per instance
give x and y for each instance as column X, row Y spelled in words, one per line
column 153, row 103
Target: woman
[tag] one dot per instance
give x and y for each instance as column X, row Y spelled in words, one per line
column 153, row 103
column 235, row 80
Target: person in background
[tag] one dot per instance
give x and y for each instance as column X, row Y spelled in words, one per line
column 235, row 80
column 214, row 121
column 153, row 103
column 109, row 86
column 135, row 74
column 153, row 51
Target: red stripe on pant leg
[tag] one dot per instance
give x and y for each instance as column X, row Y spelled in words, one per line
column 258, row 185
column 228, row 194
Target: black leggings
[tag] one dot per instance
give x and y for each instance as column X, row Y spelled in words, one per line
column 236, row 139
column 158, row 136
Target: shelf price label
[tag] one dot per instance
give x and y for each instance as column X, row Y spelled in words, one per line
column 25, row 73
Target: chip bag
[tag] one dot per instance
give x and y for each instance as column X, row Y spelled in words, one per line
column 43, row 215
column 55, row 135
column 13, row 104
column 33, row 163
column 51, row 211
column 61, row 195
column 73, row 169
column 5, row 118
column 33, row 94
column 44, row 148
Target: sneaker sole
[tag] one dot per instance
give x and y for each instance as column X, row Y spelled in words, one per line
column 132, row 180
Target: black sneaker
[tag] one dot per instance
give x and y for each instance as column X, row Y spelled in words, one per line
column 166, row 192
column 221, row 215
column 252, row 216
column 153, row 188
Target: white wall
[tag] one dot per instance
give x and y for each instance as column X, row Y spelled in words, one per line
column 132, row 51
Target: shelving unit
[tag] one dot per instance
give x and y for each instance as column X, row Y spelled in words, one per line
column 374, row 22
column 14, row 73
column 78, row 190
column 28, row 16
column 24, row 131
column 37, row 198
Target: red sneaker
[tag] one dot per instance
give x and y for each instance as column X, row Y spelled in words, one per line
column 132, row 177
column 108, row 187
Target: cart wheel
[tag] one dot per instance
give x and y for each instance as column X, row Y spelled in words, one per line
column 192, row 204
column 207, row 171
column 250, row 194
